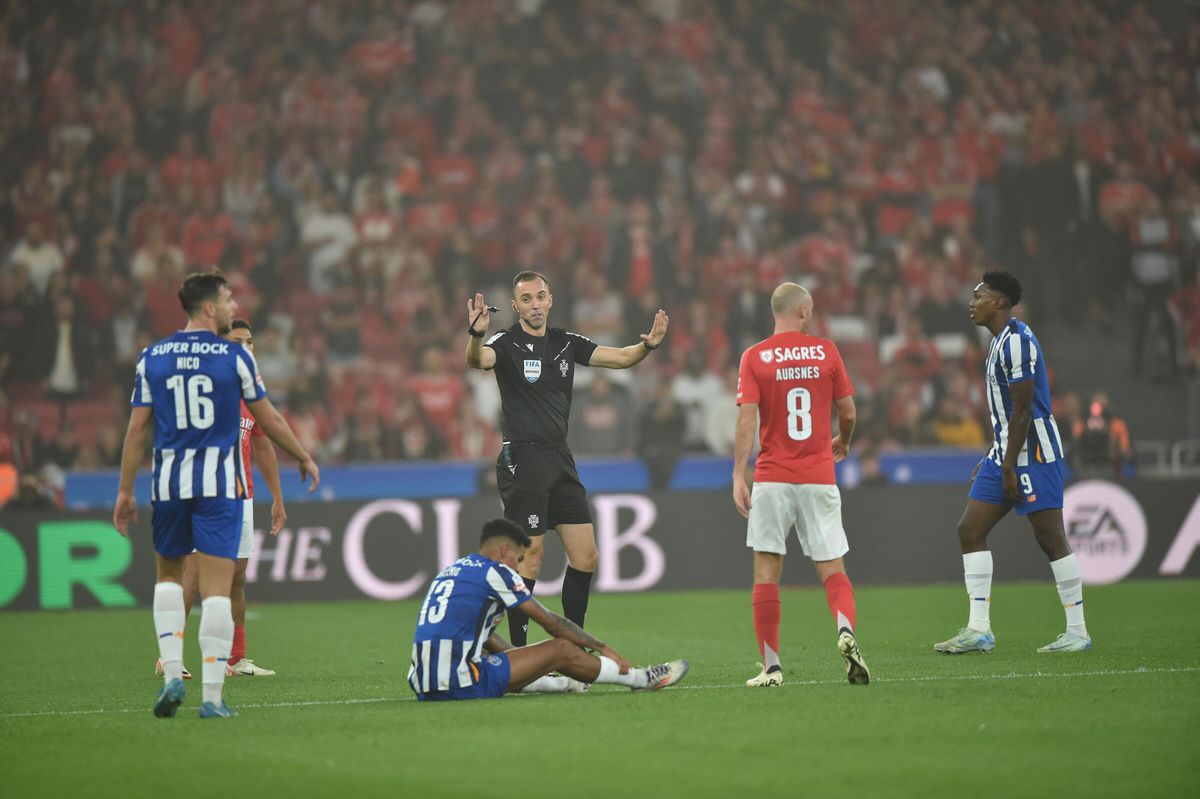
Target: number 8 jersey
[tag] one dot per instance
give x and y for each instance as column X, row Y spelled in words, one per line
column 794, row 378
column 195, row 382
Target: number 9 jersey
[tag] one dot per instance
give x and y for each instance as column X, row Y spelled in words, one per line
column 794, row 378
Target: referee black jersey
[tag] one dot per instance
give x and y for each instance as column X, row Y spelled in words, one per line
column 535, row 375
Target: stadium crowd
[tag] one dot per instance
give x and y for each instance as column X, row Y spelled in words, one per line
column 359, row 168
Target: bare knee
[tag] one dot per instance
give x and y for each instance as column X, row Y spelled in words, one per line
column 969, row 536
column 585, row 561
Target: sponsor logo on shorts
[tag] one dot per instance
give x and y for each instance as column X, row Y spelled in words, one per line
column 494, row 660
column 533, row 520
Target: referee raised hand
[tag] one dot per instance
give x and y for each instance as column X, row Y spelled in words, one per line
column 539, row 484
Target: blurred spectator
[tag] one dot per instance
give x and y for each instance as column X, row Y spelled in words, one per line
column 38, row 256
column 327, row 235
column 660, row 436
column 603, row 420
column 917, row 358
column 8, row 471
column 696, row 389
column 720, row 418
column 1102, row 441
column 1186, row 305
column 438, row 390
column 954, row 425
column 598, row 311
column 1155, row 273
column 64, row 349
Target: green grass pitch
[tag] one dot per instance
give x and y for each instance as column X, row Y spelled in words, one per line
column 1122, row 720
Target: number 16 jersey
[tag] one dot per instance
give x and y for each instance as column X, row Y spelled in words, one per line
column 794, row 378
column 195, row 382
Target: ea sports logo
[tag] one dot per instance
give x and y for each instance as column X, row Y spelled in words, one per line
column 766, row 355
column 1106, row 528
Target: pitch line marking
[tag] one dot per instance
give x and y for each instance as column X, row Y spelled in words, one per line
column 1012, row 675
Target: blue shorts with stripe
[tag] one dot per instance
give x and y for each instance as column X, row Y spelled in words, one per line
column 1040, row 484
column 491, row 681
column 212, row 525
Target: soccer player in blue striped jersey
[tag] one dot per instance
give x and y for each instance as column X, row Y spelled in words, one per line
column 190, row 387
column 457, row 653
column 1022, row 471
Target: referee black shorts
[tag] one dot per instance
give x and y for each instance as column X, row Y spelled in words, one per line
column 540, row 487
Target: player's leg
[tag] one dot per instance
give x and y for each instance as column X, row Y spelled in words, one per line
column 530, row 663
column 771, row 518
column 171, row 525
column 822, row 536
column 217, row 526
column 191, row 588
column 978, row 519
column 1051, row 536
column 239, row 664
column 571, row 516
column 521, row 478
column 579, row 542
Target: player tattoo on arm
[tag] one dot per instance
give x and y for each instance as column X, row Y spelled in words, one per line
column 561, row 627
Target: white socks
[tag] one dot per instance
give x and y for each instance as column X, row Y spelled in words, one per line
column 1069, row 582
column 216, row 639
column 548, row 685
column 169, row 619
column 610, row 672
column 977, row 571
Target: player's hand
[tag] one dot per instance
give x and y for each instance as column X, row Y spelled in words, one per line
column 658, row 330
column 741, row 496
column 614, row 655
column 478, row 307
column 308, row 467
column 124, row 512
column 1011, row 488
column 278, row 516
column 840, row 450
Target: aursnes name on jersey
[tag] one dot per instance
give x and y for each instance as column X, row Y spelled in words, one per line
column 785, row 354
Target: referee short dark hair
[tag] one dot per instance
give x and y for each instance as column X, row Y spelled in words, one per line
column 529, row 275
column 504, row 528
column 200, row 288
column 1004, row 283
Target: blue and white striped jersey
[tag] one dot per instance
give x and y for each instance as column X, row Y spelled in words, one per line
column 464, row 604
column 195, row 381
column 1016, row 356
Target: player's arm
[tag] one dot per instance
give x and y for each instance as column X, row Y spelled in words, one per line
column 125, row 510
column 562, row 627
column 625, row 357
column 847, row 417
column 478, row 318
column 267, row 416
column 495, row 643
column 1018, row 433
column 268, row 464
column 743, row 443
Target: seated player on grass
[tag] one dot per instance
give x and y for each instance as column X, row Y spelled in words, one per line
column 457, row 654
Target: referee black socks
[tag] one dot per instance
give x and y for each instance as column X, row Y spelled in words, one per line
column 576, row 587
column 518, row 622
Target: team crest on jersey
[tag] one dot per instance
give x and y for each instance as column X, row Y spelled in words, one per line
column 533, row 520
column 533, row 369
column 563, row 366
column 766, row 355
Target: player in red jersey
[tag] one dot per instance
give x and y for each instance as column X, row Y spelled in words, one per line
column 255, row 441
column 792, row 381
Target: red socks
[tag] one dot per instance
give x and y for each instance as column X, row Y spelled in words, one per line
column 766, row 622
column 239, row 644
column 839, row 593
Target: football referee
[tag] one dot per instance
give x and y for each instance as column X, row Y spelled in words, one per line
column 539, row 486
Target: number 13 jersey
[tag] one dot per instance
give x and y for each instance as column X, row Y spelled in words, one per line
column 794, row 378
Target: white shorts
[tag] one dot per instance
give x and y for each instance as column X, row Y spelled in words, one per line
column 246, row 545
column 814, row 510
